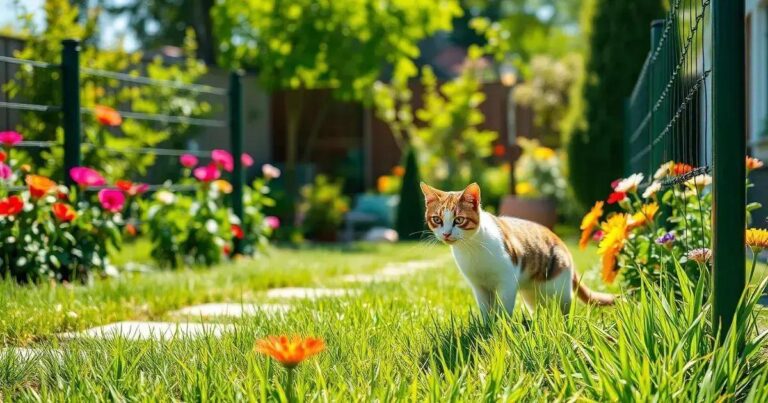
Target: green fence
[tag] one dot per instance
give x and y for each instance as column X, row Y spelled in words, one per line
column 688, row 106
column 70, row 111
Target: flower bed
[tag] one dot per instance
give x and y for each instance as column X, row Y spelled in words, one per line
column 48, row 231
column 658, row 227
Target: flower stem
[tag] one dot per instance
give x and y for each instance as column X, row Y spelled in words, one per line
column 754, row 264
column 289, row 386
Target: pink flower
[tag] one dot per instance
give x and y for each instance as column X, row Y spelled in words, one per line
column 223, row 159
column 270, row 171
column 207, row 173
column 112, row 200
column 246, row 159
column 5, row 171
column 10, row 138
column 86, row 177
column 272, row 222
column 188, row 160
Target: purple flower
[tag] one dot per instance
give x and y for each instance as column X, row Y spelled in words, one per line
column 666, row 239
column 272, row 222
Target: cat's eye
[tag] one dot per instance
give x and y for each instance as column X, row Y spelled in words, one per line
column 436, row 220
column 459, row 220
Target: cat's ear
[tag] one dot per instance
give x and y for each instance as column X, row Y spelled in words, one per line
column 471, row 194
column 430, row 194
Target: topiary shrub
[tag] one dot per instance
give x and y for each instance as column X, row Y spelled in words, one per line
column 410, row 211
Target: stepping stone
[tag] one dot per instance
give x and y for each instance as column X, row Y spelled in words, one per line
column 391, row 272
column 26, row 355
column 310, row 293
column 151, row 331
column 231, row 310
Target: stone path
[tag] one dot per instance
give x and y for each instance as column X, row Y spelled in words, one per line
column 392, row 272
column 231, row 310
column 151, row 330
column 309, row 293
column 132, row 330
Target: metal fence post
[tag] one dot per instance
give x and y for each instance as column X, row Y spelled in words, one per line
column 659, row 77
column 70, row 105
column 729, row 149
column 236, row 144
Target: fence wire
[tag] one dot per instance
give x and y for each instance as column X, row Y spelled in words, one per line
column 668, row 112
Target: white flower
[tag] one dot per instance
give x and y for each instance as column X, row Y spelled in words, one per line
column 629, row 184
column 165, row 197
column 652, row 189
column 270, row 171
column 699, row 182
column 663, row 170
column 212, row 226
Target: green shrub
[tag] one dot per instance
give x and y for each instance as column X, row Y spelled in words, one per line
column 410, row 210
column 322, row 208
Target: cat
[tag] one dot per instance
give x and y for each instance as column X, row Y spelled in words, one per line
column 503, row 256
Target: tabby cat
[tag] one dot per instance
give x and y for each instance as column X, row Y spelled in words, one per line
column 503, row 256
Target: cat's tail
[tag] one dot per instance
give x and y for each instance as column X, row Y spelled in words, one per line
column 588, row 296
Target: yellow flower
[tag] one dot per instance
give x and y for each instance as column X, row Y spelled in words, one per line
column 611, row 245
column 589, row 222
column 523, row 188
column 543, row 153
column 757, row 238
column 645, row 215
column 222, row 186
column 382, row 184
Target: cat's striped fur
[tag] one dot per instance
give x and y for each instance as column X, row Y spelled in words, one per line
column 503, row 256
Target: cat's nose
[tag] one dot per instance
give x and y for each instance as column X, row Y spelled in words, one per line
column 446, row 235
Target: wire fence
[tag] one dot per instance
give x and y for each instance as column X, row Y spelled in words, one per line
column 687, row 107
column 68, row 109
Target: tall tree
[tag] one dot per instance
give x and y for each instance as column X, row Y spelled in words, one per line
column 619, row 43
column 341, row 44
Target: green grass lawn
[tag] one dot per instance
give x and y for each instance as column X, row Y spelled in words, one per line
column 412, row 339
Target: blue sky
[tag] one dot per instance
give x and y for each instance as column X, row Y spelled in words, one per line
column 111, row 29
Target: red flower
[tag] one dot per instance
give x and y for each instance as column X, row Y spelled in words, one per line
column 64, row 212
column 615, row 183
column 226, row 249
column 237, row 231
column 107, row 116
column 207, row 173
column 112, row 200
column 10, row 138
column 130, row 188
column 3, row 156
column 499, row 150
column 246, row 159
column 11, row 206
column 616, row 197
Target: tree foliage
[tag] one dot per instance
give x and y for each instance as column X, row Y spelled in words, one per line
column 43, row 86
column 619, row 43
column 445, row 131
column 340, row 44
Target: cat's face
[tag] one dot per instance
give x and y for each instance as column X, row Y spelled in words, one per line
column 452, row 216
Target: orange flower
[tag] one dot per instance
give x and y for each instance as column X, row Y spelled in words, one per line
column 645, row 215
column 398, row 170
column 290, row 352
column 589, row 222
column 39, row 186
column 107, row 116
column 612, row 243
column 131, row 230
column 753, row 163
column 680, row 169
column 64, row 212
